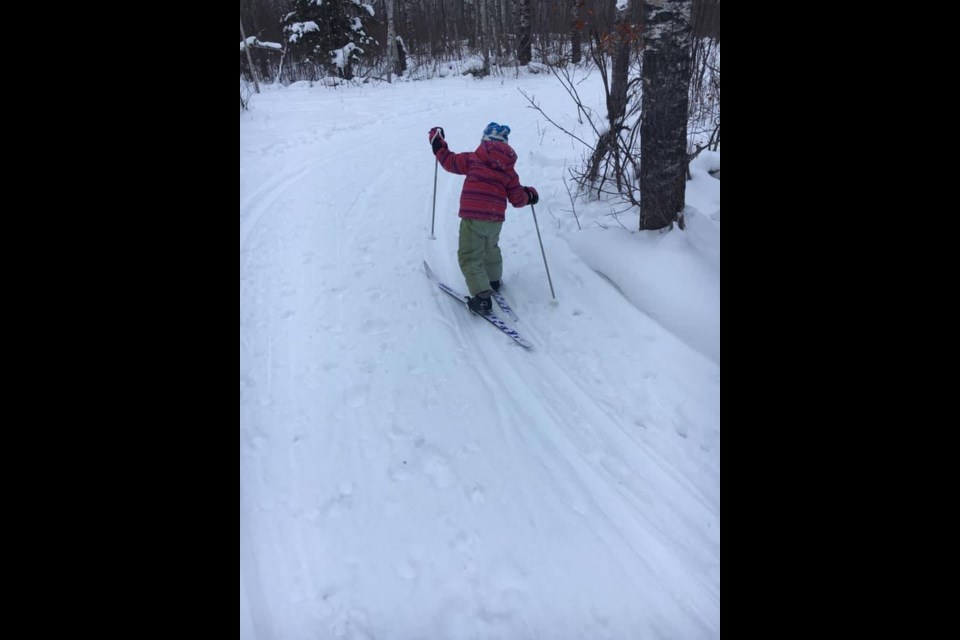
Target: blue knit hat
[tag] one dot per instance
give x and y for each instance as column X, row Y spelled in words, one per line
column 496, row 132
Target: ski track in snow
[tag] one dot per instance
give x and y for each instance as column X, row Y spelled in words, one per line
column 406, row 470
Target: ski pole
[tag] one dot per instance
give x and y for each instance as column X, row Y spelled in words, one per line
column 549, row 279
column 436, row 170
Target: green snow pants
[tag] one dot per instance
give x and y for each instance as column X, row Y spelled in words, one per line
column 479, row 253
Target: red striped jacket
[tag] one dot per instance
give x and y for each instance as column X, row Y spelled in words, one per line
column 491, row 180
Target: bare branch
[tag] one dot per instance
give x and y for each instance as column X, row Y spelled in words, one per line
column 573, row 201
column 550, row 120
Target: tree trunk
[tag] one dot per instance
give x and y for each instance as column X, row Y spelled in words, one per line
column 663, row 130
column 523, row 50
column 401, row 57
column 495, row 31
column 391, row 41
column 408, row 18
column 484, row 37
column 617, row 44
column 576, row 53
column 617, row 104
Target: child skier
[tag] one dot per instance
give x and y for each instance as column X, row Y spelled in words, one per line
column 491, row 181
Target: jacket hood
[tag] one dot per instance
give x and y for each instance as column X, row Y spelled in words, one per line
column 497, row 155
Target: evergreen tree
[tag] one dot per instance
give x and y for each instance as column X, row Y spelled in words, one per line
column 330, row 33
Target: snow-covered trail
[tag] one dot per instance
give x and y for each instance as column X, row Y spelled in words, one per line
column 406, row 471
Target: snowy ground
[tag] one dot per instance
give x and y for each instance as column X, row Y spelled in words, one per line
column 407, row 471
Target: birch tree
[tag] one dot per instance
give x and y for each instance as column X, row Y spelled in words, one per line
column 663, row 130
